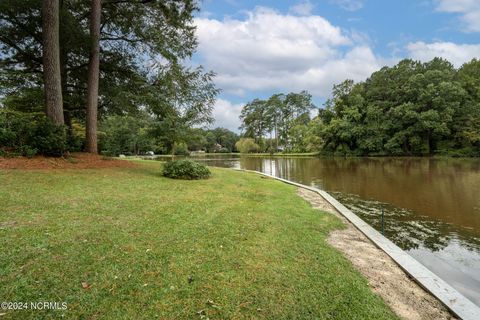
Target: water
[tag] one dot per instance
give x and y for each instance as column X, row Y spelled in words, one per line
column 432, row 206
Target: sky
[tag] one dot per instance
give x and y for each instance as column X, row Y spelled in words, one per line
column 258, row 48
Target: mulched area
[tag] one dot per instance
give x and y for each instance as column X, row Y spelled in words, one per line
column 72, row 161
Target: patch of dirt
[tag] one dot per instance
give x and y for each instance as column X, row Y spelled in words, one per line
column 404, row 296
column 73, row 161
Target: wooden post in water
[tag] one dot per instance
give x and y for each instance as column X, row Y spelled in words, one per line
column 383, row 226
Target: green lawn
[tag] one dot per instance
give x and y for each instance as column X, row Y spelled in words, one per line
column 234, row 246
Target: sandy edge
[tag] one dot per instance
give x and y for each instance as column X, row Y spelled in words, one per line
column 404, row 296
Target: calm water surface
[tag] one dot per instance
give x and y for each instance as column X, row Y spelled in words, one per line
column 431, row 206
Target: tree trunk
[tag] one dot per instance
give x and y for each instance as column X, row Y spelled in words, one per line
column 64, row 74
column 276, row 136
column 174, row 149
column 51, row 61
column 93, row 77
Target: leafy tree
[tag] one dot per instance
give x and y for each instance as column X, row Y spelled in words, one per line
column 247, row 145
column 126, row 135
column 278, row 115
column 254, row 119
column 274, row 105
column 180, row 99
column 225, row 138
column 410, row 109
column 211, row 140
column 162, row 30
column 466, row 125
column 313, row 141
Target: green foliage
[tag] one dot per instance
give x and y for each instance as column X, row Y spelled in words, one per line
column 30, row 133
column 247, row 145
column 180, row 100
column 155, row 80
column 76, row 136
column 126, row 135
column 28, row 151
column 221, row 140
column 141, row 133
column 48, row 138
column 181, row 149
column 412, row 108
column 214, row 140
column 276, row 117
column 186, row 169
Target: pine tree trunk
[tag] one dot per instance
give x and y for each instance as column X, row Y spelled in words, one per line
column 51, row 61
column 276, row 136
column 93, row 77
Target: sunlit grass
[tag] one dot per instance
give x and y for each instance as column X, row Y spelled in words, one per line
column 233, row 246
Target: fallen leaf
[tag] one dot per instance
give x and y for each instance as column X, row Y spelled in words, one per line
column 85, row 285
column 212, row 304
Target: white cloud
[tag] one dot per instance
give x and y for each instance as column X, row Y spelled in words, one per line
column 226, row 114
column 302, row 9
column 357, row 64
column 468, row 9
column 457, row 54
column 349, row 5
column 271, row 51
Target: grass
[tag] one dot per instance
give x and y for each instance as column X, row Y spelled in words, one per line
column 235, row 246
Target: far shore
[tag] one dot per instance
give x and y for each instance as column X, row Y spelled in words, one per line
column 298, row 154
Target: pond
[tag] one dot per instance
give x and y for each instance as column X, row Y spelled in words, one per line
column 431, row 206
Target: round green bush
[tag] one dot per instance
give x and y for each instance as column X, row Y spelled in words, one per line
column 186, row 169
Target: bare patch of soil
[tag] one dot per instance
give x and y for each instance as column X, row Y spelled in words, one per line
column 73, row 161
column 404, row 296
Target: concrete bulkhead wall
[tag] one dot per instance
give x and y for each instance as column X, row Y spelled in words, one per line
column 458, row 304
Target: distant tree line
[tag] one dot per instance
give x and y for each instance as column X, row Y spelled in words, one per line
column 136, row 135
column 412, row 108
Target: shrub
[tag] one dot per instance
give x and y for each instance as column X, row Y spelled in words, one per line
column 28, row 151
column 28, row 134
column 247, row 145
column 48, row 138
column 76, row 137
column 186, row 169
column 181, row 149
column 15, row 128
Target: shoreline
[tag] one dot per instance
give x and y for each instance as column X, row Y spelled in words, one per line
column 300, row 155
column 406, row 298
column 458, row 304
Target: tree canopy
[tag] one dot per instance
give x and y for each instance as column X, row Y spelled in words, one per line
column 411, row 108
column 276, row 117
column 143, row 47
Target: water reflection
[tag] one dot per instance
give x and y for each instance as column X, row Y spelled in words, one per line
column 408, row 229
column 432, row 206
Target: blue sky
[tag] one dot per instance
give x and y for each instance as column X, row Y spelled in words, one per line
column 258, row 48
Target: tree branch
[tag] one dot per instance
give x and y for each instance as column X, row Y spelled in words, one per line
column 7, row 41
